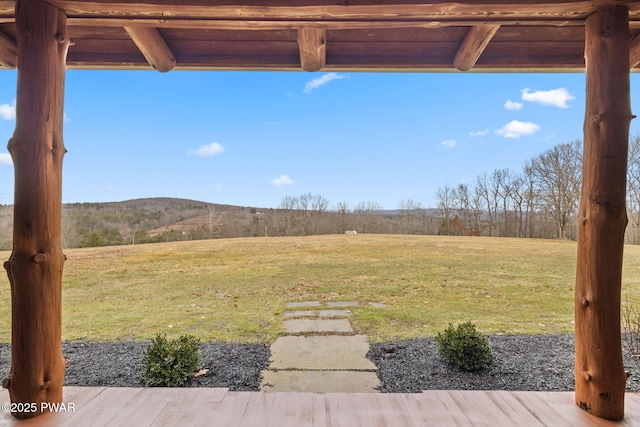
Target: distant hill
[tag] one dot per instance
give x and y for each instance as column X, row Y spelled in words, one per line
column 134, row 221
column 164, row 219
column 149, row 204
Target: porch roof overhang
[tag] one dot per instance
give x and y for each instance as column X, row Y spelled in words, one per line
column 313, row 35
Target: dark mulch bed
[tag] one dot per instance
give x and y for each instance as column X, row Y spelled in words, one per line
column 523, row 362
column 119, row 364
column 520, row 362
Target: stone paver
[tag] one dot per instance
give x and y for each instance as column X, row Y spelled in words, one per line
column 321, row 353
column 327, row 363
column 303, row 304
column 334, row 313
column 377, row 304
column 296, row 326
column 320, row 381
column 342, row 303
column 300, row 313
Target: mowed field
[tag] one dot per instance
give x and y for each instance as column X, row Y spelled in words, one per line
column 236, row 289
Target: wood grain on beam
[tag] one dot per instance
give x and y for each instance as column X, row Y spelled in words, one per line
column 473, row 45
column 153, row 47
column 634, row 52
column 8, row 51
column 313, row 10
column 7, row 7
column 260, row 25
column 312, row 43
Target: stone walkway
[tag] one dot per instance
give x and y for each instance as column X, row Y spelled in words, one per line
column 321, row 353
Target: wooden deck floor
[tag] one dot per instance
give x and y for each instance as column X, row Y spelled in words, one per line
column 187, row 407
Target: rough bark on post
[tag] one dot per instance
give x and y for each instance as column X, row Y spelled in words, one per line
column 599, row 370
column 36, row 263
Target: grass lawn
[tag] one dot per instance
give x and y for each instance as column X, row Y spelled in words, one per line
column 236, row 289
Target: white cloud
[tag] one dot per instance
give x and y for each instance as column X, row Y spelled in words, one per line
column 5, row 159
column 516, row 129
column 449, row 143
column 8, row 112
column 208, row 150
column 555, row 97
column 283, row 180
column 322, row 80
column 548, row 137
column 512, row 105
column 484, row 132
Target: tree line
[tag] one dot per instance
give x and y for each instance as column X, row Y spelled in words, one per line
column 540, row 200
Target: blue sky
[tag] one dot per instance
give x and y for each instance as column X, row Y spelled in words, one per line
column 252, row 138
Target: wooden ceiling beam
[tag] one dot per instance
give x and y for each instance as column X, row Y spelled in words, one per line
column 311, row 10
column 257, row 25
column 153, row 47
column 473, row 45
column 312, row 43
column 8, row 51
column 7, row 7
column 634, row 52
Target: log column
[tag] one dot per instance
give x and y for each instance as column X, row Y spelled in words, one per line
column 36, row 263
column 602, row 219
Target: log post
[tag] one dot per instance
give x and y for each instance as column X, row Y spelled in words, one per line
column 36, row 263
column 599, row 371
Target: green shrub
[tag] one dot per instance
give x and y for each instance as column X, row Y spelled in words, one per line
column 465, row 347
column 169, row 363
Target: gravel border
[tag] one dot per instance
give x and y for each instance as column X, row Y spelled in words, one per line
column 119, row 364
column 521, row 362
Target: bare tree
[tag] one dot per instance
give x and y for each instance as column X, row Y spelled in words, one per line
column 633, row 189
column 70, row 238
column 445, row 197
column 213, row 220
column 410, row 215
column 319, row 205
column 509, row 201
column 367, row 216
column 341, row 220
column 287, row 221
column 303, row 212
column 501, row 194
column 462, row 204
column 302, row 215
column 518, row 195
column 530, row 197
column 558, row 172
column 485, row 195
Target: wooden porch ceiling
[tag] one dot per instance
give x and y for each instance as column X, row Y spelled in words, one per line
column 338, row 35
